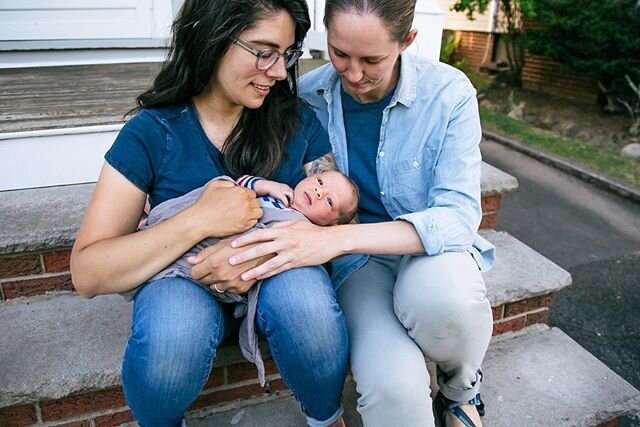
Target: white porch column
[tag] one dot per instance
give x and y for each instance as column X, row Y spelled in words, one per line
column 429, row 20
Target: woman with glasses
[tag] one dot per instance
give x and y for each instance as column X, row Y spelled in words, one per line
column 224, row 103
column 407, row 131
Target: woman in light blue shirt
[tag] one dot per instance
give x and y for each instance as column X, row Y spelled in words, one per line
column 407, row 131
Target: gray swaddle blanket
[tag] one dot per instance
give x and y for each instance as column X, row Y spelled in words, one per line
column 245, row 304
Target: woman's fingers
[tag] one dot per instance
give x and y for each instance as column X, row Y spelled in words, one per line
column 220, row 183
column 285, row 267
column 269, row 268
column 224, row 209
column 263, row 235
column 257, row 251
column 203, row 264
column 256, row 236
column 211, row 266
column 283, row 224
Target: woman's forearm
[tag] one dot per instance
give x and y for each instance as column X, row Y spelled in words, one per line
column 121, row 263
column 388, row 238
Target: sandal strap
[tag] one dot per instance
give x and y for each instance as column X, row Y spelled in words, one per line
column 447, row 405
column 478, row 403
column 462, row 416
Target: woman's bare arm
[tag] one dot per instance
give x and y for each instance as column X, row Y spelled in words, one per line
column 110, row 256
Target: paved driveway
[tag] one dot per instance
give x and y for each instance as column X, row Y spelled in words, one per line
column 593, row 234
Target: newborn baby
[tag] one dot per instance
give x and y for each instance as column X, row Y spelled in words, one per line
column 326, row 198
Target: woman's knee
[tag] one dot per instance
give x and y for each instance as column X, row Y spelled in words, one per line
column 442, row 298
column 301, row 300
column 441, row 286
column 176, row 329
column 298, row 313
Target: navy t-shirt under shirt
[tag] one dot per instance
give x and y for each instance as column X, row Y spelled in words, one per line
column 362, row 125
column 166, row 153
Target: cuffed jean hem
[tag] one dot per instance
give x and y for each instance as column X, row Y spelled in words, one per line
column 458, row 395
column 312, row 422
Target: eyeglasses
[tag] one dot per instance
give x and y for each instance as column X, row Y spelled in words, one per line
column 265, row 59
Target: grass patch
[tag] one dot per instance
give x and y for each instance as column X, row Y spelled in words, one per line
column 601, row 159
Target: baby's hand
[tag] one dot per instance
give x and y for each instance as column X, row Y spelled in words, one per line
column 279, row 191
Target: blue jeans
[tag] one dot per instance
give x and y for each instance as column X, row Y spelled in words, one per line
column 178, row 325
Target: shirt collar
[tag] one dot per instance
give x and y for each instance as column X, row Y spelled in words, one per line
column 405, row 90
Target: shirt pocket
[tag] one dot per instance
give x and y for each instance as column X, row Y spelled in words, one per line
column 412, row 181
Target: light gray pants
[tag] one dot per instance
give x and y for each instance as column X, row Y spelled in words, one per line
column 400, row 309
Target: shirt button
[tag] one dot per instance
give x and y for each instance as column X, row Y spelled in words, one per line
column 381, row 154
column 382, row 193
column 416, row 164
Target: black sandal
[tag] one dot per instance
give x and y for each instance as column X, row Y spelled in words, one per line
column 442, row 405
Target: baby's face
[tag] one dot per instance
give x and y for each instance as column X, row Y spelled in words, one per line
column 323, row 197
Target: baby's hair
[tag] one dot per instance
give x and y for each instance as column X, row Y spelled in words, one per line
column 346, row 217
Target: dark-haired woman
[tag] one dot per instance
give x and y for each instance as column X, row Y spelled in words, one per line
column 224, row 103
column 407, row 131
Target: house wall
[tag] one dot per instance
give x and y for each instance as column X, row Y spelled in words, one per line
column 543, row 75
column 459, row 21
column 44, row 21
column 476, row 47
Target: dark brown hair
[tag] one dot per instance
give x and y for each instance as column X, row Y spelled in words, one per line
column 397, row 15
column 202, row 34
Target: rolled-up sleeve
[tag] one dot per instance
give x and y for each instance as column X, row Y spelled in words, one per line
column 453, row 213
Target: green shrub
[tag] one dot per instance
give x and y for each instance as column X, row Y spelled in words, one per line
column 599, row 39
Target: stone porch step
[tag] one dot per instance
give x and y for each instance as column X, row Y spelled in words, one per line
column 61, row 354
column 539, row 377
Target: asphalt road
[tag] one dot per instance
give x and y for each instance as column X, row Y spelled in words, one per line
column 595, row 236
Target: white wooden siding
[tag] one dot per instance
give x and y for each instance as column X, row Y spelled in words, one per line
column 459, row 21
column 84, row 19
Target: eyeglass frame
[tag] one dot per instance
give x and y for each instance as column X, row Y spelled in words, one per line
column 260, row 54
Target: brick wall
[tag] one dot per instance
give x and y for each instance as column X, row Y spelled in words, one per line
column 543, row 75
column 34, row 273
column 108, row 408
column 514, row 316
column 473, row 46
column 539, row 74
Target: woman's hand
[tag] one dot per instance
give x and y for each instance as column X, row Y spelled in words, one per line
column 224, row 209
column 277, row 190
column 294, row 243
column 211, row 267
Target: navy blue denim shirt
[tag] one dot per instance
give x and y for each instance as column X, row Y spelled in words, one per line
column 428, row 161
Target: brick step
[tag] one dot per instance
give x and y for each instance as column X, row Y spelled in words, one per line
column 61, row 354
column 539, row 377
column 40, row 225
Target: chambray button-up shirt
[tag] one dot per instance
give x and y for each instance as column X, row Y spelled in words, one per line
column 428, row 162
